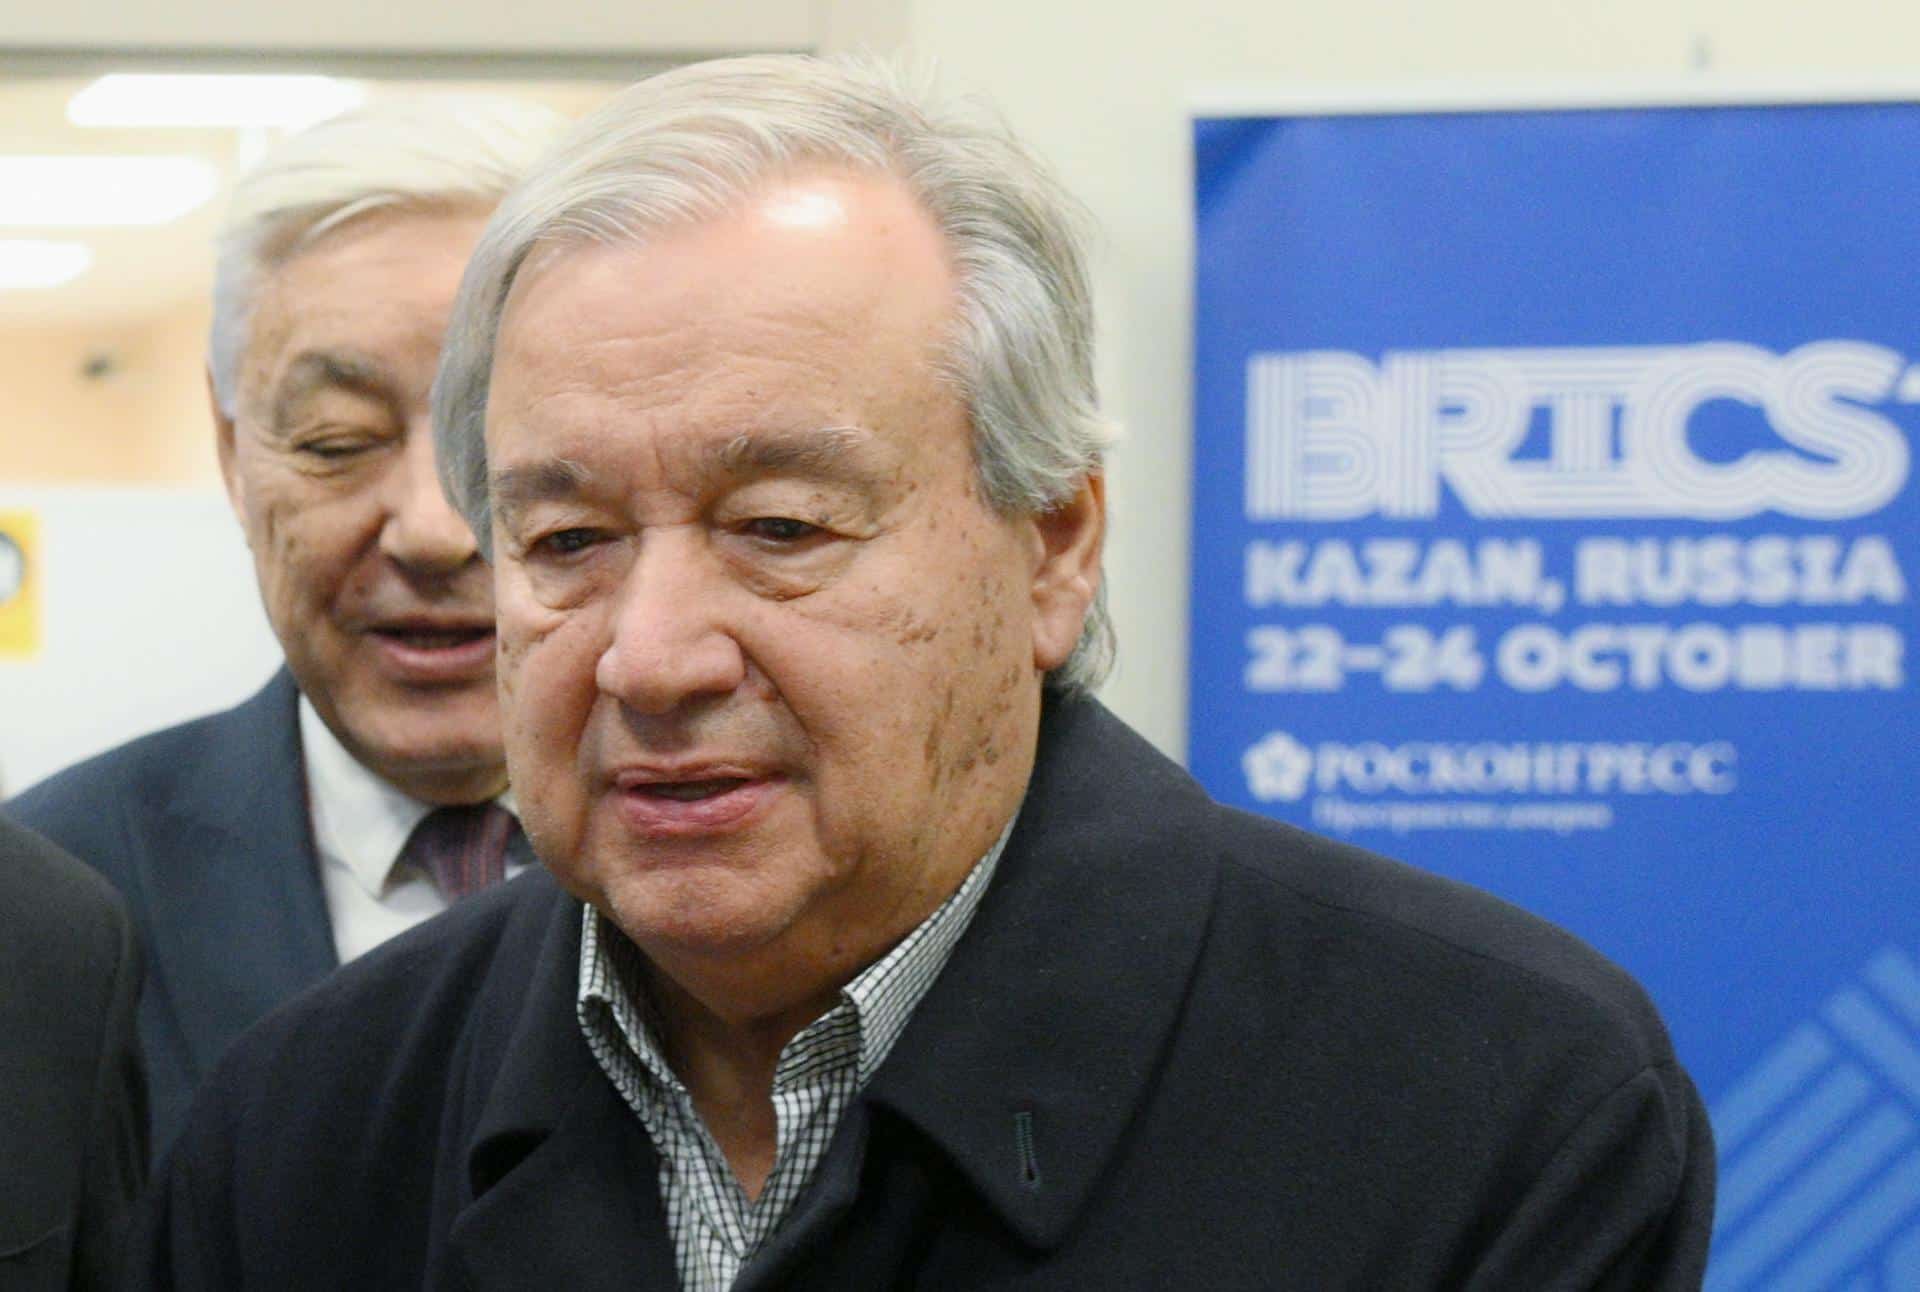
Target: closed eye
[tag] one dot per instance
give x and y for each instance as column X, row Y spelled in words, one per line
column 781, row 530
column 337, row 447
column 334, row 450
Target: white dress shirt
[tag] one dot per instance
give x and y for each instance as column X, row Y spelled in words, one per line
column 360, row 823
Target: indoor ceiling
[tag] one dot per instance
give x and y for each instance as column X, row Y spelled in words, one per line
column 141, row 271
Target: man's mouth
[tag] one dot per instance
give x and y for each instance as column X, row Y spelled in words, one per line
column 688, row 791
column 434, row 638
column 433, row 654
column 659, row 803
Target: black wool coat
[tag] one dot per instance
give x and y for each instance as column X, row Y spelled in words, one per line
column 73, row 1114
column 1179, row 1046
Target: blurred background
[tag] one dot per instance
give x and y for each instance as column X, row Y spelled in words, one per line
column 114, row 173
column 135, row 116
column 103, row 431
column 102, row 427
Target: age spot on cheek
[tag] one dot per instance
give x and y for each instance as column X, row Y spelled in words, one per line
column 915, row 631
column 904, row 625
column 993, row 719
column 990, row 750
column 936, row 735
column 987, row 629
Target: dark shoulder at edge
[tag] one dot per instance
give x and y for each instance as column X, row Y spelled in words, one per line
column 1442, row 916
column 67, row 908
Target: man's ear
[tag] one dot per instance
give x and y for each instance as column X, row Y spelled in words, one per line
column 1071, row 536
column 223, row 447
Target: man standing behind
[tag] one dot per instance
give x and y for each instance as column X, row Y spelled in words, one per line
column 871, row 951
column 260, row 847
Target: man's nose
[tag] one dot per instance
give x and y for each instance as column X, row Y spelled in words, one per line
column 671, row 643
column 423, row 532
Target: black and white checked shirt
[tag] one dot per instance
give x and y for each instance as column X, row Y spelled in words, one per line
column 714, row 1227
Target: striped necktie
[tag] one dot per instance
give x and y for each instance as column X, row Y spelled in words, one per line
column 464, row 848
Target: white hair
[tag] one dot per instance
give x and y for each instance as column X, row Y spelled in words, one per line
column 402, row 153
column 688, row 144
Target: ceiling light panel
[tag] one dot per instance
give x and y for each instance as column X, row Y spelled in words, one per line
column 32, row 263
column 212, row 101
column 102, row 191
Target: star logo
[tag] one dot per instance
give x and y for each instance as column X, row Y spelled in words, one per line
column 1277, row 768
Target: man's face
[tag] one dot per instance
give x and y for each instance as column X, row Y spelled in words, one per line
column 370, row 580
column 770, row 665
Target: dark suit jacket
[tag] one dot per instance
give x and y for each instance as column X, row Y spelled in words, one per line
column 73, row 1126
column 1179, row 1047
column 203, row 828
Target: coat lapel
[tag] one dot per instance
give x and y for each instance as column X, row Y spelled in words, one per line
column 239, row 920
column 562, row 1176
column 827, row 1198
column 579, row 1211
column 1027, row 1058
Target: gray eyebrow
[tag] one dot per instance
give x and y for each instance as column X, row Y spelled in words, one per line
column 833, row 452
column 323, row 369
column 515, row 488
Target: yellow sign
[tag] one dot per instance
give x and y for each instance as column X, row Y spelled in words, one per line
column 19, row 584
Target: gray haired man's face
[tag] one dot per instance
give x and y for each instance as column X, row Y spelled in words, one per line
column 371, row 581
column 770, row 664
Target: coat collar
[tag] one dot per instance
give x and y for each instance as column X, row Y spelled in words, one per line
column 551, row 1133
column 239, row 919
column 538, row 1061
column 1027, row 1057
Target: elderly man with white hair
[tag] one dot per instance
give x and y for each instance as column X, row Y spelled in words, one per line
column 870, row 950
column 353, row 796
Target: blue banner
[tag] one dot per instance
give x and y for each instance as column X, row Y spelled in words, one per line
column 1554, row 529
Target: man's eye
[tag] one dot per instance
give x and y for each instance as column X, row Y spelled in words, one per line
column 565, row 542
column 781, row 529
column 335, row 450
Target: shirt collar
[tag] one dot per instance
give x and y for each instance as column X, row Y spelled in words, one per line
column 882, row 996
column 360, row 822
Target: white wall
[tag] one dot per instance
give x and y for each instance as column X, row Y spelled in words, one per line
column 712, row 26
column 1103, row 90
column 182, row 632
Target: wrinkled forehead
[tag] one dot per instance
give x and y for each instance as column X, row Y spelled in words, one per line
column 800, row 335
column 358, row 260
column 362, row 308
